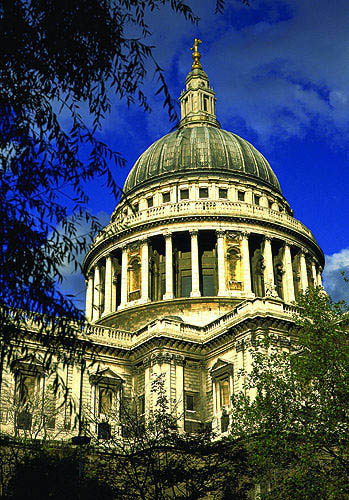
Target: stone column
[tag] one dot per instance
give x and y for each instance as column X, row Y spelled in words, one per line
column 96, row 293
column 113, row 288
column 195, row 283
column 169, row 266
column 145, row 270
column 108, row 285
column 123, row 301
column 89, row 297
column 303, row 271
column 289, row 294
column 222, row 289
column 313, row 271
column 319, row 277
column 269, row 283
column 246, row 263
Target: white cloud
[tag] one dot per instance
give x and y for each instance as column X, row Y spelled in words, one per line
column 334, row 283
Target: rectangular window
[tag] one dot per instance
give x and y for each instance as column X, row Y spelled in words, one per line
column 105, row 403
column 28, row 398
column 223, row 193
column 224, row 393
column 141, row 405
column 136, row 208
column 205, row 103
column 203, row 192
column 104, row 430
column 184, row 194
column 189, row 402
column 166, row 197
column 150, row 202
column 241, row 195
column 208, row 285
column 27, row 388
column 257, row 199
column 185, row 286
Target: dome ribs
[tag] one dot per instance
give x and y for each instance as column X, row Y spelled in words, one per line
column 199, row 148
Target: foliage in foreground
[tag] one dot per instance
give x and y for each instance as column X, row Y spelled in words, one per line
column 147, row 461
column 296, row 427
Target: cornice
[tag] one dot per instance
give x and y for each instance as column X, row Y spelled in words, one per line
column 114, row 238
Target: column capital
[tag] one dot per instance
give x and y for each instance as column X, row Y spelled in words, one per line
column 244, row 235
column 179, row 360
column 220, row 233
column 89, row 274
column 167, row 234
column 267, row 237
column 144, row 240
column 287, row 243
column 193, row 232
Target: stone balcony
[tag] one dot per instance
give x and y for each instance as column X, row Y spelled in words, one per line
column 202, row 208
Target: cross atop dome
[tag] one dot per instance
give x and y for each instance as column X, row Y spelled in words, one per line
column 198, row 99
column 196, row 55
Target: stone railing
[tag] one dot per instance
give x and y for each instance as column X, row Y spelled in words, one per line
column 202, row 207
column 177, row 329
column 169, row 327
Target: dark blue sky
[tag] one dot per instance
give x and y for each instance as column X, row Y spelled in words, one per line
column 280, row 70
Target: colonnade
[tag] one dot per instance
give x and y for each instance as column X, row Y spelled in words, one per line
column 106, row 294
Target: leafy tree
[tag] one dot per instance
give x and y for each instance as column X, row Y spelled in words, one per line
column 55, row 57
column 153, row 460
column 295, row 427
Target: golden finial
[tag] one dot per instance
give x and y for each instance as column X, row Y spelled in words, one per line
column 196, row 55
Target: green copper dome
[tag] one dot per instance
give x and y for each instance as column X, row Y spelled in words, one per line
column 201, row 150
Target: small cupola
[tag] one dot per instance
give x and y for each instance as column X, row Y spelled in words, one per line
column 198, row 100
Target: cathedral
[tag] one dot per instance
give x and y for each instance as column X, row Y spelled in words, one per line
column 201, row 254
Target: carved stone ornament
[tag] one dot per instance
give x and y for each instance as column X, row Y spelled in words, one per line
column 134, row 246
column 220, row 233
column 270, row 290
column 244, row 235
column 240, row 345
column 233, row 261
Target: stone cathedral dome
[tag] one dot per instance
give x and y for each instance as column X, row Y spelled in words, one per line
column 201, row 150
column 202, row 227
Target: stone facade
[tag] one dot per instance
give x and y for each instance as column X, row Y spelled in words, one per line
column 197, row 260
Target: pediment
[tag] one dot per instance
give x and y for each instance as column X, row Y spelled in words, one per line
column 221, row 367
column 107, row 376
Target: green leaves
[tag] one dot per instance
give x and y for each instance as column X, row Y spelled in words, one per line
column 296, row 425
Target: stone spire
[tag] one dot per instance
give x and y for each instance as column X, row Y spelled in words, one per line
column 198, row 99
